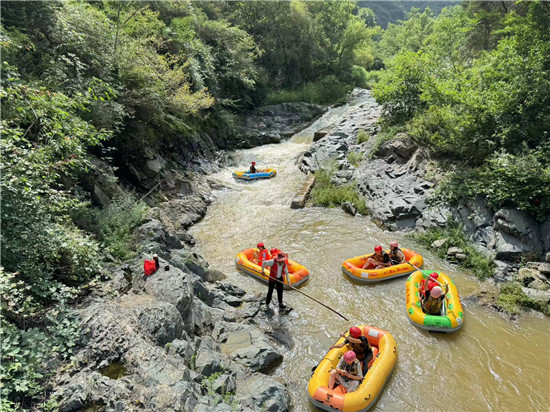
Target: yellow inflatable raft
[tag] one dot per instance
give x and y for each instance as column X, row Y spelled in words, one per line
column 352, row 267
column 261, row 174
column 452, row 316
column 298, row 274
column 380, row 369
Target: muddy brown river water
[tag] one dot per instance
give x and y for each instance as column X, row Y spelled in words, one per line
column 490, row 364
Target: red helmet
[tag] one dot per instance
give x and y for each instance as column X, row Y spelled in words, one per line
column 260, row 245
column 274, row 251
column 378, row 248
column 431, row 284
column 253, row 163
column 355, row 332
column 434, row 275
column 394, row 244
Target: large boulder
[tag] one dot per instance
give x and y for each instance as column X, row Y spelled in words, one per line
column 517, row 235
column 401, row 146
column 263, row 393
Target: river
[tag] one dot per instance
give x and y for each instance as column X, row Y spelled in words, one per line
column 490, row 364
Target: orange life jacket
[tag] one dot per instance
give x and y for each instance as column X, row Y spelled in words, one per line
column 263, row 254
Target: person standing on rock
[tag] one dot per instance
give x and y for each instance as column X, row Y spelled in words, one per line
column 276, row 272
column 379, row 260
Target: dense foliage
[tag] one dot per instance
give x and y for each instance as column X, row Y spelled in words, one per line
column 473, row 84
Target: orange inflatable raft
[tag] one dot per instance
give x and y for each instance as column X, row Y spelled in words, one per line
column 352, row 267
column 298, row 274
column 364, row 397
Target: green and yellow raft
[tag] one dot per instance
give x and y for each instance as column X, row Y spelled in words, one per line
column 452, row 315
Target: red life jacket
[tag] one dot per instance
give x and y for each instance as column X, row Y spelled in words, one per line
column 149, row 267
column 263, row 254
column 275, row 268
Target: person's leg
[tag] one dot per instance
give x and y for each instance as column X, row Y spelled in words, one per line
column 332, row 379
column 352, row 385
column 269, row 292
column 280, row 294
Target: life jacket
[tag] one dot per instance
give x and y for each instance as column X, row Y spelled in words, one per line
column 275, row 268
column 149, row 266
column 384, row 259
column 394, row 258
column 433, row 306
column 263, row 254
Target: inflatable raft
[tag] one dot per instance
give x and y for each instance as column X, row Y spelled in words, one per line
column 452, row 315
column 380, row 369
column 262, row 174
column 352, row 267
column 298, row 274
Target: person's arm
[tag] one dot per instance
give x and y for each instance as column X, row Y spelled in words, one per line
column 403, row 257
column 267, row 263
column 341, row 345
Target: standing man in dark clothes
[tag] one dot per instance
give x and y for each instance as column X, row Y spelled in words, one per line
column 278, row 268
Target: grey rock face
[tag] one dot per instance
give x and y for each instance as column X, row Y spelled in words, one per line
column 349, row 208
column 267, row 395
column 270, row 124
column 517, row 234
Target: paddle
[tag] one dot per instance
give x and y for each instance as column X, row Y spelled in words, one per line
column 429, row 276
column 315, row 300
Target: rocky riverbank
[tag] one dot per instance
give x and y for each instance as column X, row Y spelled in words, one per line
column 180, row 339
column 393, row 177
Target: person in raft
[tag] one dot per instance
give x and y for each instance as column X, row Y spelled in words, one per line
column 396, row 255
column 277, row 270
column 432, row 305
column 348, row 372
column 359, row 344
column 253, row 168
column 261, row 254
column 425, row 288
column 379, row 260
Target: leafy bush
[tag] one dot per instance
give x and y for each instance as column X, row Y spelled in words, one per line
column 355, row 158
column 325, row 91
column 519, row 180
column 114, row 225
column 325, row 193
column 511, row 298
column 27, row 352
column 359, row 76
column 481, row 265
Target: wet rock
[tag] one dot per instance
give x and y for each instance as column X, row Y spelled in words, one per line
column 439, row 243
column 231, row 289
column 181, row 213
column 548, row 257
column 349, row 208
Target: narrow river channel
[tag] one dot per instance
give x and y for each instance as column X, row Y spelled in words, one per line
column 490, row 364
